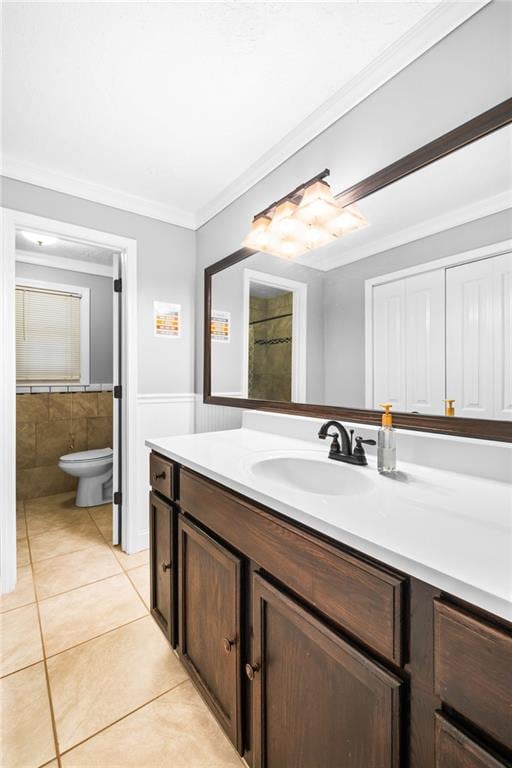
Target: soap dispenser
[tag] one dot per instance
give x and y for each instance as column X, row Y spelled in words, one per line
column 386, row 442
column 449, row 407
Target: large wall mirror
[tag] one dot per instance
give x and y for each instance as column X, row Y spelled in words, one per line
column 383, row 314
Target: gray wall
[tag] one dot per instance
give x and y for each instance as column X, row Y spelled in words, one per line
column 345, row 300
column 166, row 272
column 101, row 307
column 466, row 73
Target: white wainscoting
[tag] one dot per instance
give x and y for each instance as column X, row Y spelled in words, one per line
column 158, row 415
column 210, row 418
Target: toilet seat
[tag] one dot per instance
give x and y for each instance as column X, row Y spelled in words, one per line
column 97, row 453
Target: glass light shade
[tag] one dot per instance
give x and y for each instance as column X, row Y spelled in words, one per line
column 286, row 247
column 285, row 225
column 38, row 239
column 318, row 204
column 348, row 220
column 317, row 236
column 258, row 237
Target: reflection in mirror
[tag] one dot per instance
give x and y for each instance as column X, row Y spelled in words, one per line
column 414, row 309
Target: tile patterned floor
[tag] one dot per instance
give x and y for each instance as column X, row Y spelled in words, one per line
column 86, row 677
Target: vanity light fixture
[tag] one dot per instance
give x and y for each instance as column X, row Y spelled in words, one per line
column 38, row 239
column 305, row 219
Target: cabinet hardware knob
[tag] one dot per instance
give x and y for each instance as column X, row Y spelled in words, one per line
column 166, row 566
column 251, row 670
column 160, row 475
column 228, row 644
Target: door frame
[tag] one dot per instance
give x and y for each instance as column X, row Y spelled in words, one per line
column 11, row 220
column 299, row 328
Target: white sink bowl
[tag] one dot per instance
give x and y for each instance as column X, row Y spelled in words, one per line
column 319, row 476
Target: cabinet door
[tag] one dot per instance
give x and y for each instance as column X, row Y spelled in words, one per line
column 502, row 278
column 425, row 342
column 209, row 596
column 317, row 701
column 455, row 750
column 469, row 339
column 389, row 372
column 162, row 565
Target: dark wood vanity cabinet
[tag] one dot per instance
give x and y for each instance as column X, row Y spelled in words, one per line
column 162, row 525
column 210, row 623
column 314, row 656
column 317, row 701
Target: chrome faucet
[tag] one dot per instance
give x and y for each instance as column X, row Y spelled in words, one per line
column 344, row 452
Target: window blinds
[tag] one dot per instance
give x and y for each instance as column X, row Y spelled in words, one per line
column 47, row 336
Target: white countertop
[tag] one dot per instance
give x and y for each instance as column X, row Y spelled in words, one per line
column 451, row 530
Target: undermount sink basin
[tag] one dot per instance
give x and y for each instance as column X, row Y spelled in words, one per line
column 314, row 475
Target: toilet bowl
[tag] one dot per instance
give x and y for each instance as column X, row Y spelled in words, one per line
column 94, row 470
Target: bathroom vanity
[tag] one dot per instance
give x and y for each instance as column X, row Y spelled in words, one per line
column 315, row 638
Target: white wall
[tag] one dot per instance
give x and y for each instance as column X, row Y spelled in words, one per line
column 466, row 73
column 101, row 309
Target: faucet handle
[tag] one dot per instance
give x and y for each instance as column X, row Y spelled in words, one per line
column 360, row 442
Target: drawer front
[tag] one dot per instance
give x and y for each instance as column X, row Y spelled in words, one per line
column 161, row 475
column 162, row 524
column 455, row 750
column 362, row 598
column 473, row 670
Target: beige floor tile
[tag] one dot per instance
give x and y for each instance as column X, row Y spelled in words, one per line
column 49, row 503
column 102, row 516
column 54, row 520
column 131, row 561
column 140, row 579
column 66, row 572
column 21, row 526
column 175, row 730
column 23, row 594
column 22, row 552
column 26, row 728
column 87, row 612
column 65, row 540
column 20, row 639
column 98, row 682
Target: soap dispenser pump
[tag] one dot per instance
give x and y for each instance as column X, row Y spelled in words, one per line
column 386, row 442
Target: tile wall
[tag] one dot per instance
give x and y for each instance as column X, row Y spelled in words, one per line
column 45, row 422
column 270, row 348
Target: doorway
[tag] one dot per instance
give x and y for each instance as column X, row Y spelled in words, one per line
column 274, row 339
column 84, row 254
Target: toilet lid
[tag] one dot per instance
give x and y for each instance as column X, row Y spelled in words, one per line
column 98, row 453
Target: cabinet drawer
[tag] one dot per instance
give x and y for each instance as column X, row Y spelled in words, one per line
column 473, row 670
column 456, row 750
column 161, row 475
column 367, row 601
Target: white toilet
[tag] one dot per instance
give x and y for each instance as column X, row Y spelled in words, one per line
column 94, row 470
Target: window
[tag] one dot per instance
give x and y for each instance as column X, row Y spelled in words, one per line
column 52, row 333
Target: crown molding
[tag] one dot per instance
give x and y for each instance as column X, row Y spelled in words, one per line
column 96, row 193
column 433, row 226
column 442, row 20
column 61, row 262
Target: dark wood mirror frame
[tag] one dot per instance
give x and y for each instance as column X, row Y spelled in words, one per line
column 486, row 429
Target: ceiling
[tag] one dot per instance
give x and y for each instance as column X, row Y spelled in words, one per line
column 67, row 249
column 173, row 109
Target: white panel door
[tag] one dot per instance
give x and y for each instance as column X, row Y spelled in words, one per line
column 470, row 339
column 502, row 304
column 425, row 342
column 389, row 345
